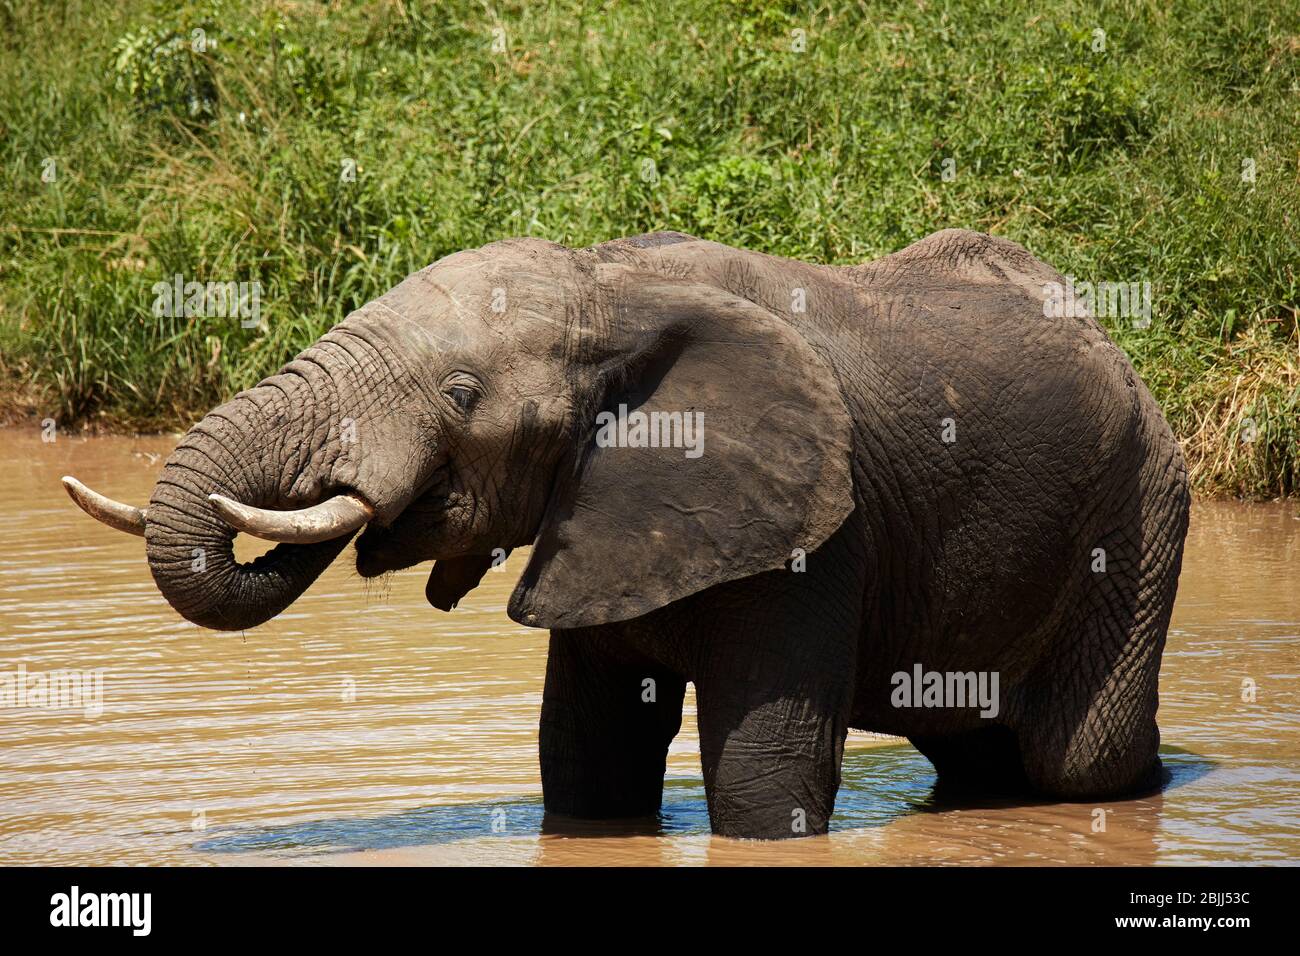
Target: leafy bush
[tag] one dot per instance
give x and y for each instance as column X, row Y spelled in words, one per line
column 169, row 70
column 834, row 132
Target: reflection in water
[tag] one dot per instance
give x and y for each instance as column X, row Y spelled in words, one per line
column 362, row 726
column 888, row 786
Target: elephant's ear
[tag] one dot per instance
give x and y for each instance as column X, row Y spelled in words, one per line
column 636, row 528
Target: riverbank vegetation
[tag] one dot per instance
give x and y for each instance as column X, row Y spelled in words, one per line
column 325, row 150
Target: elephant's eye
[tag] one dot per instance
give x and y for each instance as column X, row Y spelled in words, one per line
column 462, row 397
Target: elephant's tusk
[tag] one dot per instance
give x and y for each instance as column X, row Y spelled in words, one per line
column 110, row 512
column 330, row 519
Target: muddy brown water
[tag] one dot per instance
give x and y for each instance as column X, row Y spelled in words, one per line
column 363, row 726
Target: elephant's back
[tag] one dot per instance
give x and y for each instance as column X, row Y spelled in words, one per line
column 994, row 441
column 971, row 310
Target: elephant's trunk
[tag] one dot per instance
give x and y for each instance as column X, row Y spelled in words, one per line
column 251, row 450
column 336, row 440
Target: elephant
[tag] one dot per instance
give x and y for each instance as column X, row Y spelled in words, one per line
column 830, row 497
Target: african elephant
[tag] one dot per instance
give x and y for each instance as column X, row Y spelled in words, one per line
column 851, row 478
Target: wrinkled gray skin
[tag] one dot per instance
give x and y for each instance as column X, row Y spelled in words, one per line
column 472, row 390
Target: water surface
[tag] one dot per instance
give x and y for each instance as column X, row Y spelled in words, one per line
column 363, row 726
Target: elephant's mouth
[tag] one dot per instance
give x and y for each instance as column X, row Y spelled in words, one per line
column 410, row 539
column 377, row 553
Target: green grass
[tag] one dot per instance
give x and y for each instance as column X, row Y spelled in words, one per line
column 1115, row 165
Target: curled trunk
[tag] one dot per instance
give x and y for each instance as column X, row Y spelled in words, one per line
column 251, row 450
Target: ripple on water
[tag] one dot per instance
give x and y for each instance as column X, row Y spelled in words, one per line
column 363, row 722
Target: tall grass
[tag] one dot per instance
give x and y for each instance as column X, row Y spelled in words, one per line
column 596, row 120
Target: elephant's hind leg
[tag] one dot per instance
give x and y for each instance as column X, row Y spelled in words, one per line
column 608, row 716
column 1087, row 726
column 1104, row 748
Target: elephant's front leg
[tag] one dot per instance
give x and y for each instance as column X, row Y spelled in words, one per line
column 608, row 716
column 774, row 706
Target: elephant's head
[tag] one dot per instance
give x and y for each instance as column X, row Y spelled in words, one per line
column 458, row 414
